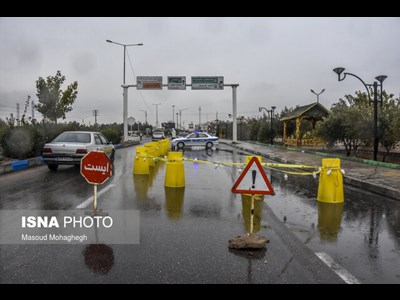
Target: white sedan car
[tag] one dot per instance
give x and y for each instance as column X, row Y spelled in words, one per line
column 70, row 146
column 196, row 139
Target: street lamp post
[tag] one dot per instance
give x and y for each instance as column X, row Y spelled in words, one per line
column 323, row 90
column 180, row 116
column 380, row 78
column 270, row 112
column 125, row 96
column 156, row 104
column 177, row 120
column 173, row 113
column 145, row 115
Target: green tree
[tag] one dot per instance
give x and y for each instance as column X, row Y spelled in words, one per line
column 113, row 134
column 264, row 132
column 254, row 125
column 53, row 102
column 350, row 122
column 389, row 123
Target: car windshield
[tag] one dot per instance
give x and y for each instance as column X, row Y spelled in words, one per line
column 73, row 137
column 158, row 134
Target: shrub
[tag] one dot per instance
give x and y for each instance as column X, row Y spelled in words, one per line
column 113, row 134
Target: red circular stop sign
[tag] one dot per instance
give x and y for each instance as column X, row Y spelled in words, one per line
column 96, row 167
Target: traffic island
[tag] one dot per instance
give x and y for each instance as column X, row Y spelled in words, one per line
column 248, row 241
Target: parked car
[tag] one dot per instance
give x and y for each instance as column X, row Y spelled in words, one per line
column 134, row 137
column 158, row 135
column 196, row 139
column 70, row 146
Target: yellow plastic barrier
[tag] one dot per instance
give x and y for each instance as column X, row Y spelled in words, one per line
column 163, row 147
column 175, row 172
column 140, row 161
column 330, row 188
column 151, row 152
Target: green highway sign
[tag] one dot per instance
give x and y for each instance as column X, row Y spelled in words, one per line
column 176, row 82
column 207, row 82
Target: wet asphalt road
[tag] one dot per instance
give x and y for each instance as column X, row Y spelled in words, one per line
column 184, row 233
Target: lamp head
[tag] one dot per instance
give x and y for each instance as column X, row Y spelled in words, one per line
column 259, row 108
column 381, row 78
column 273, row 108
column 312, row 91
column 323, row 90
column 339, row 70
column 109, row 41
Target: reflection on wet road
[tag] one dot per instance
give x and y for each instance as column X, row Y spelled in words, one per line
column 362, row 234
column 184, row 232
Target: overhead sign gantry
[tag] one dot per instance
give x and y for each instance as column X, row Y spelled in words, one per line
column 180, row 83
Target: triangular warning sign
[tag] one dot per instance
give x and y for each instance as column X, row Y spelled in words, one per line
column 253, row 180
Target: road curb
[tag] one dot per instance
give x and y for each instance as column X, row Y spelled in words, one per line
column 355, row 182
column 20, row 165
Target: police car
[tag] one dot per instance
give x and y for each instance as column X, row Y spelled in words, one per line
column 195, row 139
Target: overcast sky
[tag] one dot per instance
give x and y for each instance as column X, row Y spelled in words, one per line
column 275, row 61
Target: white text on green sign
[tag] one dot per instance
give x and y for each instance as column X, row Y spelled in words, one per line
column 176, row 82
column 207, row 82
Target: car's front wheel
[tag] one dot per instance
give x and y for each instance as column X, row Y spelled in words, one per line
column 180, row 145
column 53, row 167
column 209, row 145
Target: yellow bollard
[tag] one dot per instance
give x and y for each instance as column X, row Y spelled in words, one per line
column 250, row 157
column 330, row 188
column 150, row 152
column 140, row 161
column 175, row 172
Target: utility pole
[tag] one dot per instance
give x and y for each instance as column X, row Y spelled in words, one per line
column 180, row 117
column 95, row 114
column 145, row 115
column 157, row 104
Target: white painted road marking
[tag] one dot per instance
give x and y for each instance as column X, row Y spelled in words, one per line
column 338, row 269
column 90, row 199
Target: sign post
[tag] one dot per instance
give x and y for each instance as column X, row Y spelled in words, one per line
column 131, row 121
column 254, row 181
column 96, row 167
